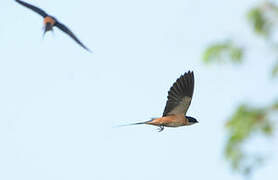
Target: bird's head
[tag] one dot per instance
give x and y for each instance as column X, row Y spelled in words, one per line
column 191, row 120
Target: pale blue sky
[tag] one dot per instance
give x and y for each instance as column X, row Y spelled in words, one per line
column 59, row 103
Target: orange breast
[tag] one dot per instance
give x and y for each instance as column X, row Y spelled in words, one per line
column 170, row 121
column 49, row 19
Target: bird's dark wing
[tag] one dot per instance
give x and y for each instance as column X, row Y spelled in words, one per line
column 36, row 9
column 180, row 95
column 68, row 31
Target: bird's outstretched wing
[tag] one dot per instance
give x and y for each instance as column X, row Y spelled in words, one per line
column 180, row 95
column 36, row 9
column 68, row 31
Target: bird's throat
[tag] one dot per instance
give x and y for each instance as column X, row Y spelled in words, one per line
column 49, row 20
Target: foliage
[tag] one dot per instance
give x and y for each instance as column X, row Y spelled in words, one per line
column 275, row 70
column 259, row 21
column 221, row 52
column 246, row 122
column 263, row 18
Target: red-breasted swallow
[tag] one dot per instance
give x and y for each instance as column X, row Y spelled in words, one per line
column 50, row 22
column 179, row 99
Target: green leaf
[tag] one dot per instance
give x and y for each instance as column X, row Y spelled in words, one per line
column 275, row 70
column 259, row 21
column 223, row 52
column 246, row 122
column 275, row 106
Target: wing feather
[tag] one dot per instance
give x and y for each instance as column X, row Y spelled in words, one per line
column 66, row 30
column 180, row 95
column 34, row 8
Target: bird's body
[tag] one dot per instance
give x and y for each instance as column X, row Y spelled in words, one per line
column 50, row 22
column 169, row 121
column 179, row 99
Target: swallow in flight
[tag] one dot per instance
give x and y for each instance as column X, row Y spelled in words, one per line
column 179, row 99
column 50, row 22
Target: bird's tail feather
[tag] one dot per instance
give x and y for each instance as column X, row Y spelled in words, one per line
column 138, row 123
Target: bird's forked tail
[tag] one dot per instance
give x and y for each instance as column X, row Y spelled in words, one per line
column 138, row 123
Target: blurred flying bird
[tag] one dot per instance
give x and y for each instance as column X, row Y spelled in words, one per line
column 50, row 22
column 179, row 99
